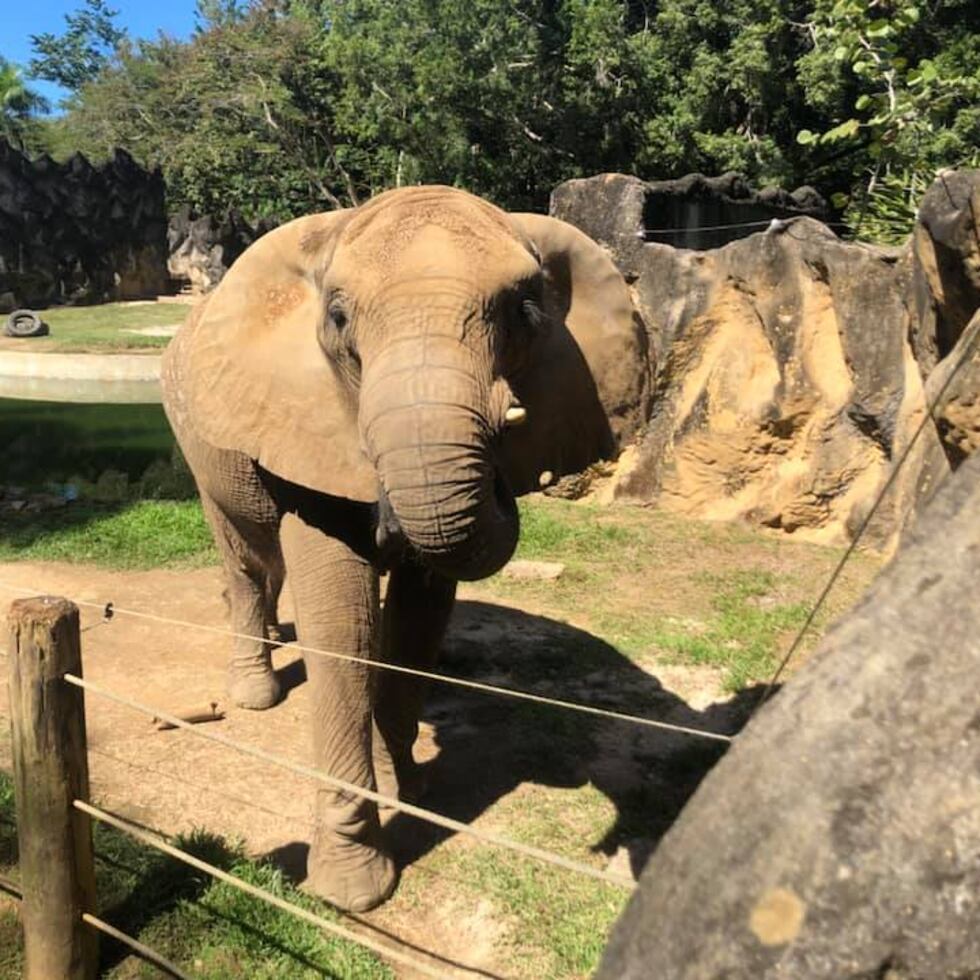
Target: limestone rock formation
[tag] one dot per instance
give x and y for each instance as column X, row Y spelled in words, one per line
column 946, row 264
column 839, row 836
column 793, row 370
column 74, row 233
column 786, row 384
column 954, row 389
column 202, row 249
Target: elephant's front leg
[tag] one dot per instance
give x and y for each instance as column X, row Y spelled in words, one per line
column 335, row 592
column 417, row 607
column 252, row 564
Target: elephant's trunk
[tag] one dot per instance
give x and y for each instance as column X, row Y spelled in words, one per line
column 424, row 417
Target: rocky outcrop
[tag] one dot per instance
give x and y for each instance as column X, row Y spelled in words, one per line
column 202, row 249
column 788, row 384
column 75, row 233
column 946, row 264
column 695, row 211
column 839, row 836
column 953, row 389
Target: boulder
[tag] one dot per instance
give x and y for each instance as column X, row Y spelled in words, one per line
column 953, row 389
column 840, row 835
column 533, row 571
column 202, row 248
column 946, row 264
column 690, row 212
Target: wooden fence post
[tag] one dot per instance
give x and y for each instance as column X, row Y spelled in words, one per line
column 51, row 771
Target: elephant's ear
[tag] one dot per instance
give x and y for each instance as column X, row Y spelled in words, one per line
column 587, row 383
column 249, row 374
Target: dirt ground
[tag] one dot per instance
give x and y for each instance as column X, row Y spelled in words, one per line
column 488, row 758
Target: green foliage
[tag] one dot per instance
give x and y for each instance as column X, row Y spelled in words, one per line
column 900, row 80
column 887, row 214
column 18, row 103
column 280, row 107
column 78, row 54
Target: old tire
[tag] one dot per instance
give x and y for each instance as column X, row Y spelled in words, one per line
column 25, row 323
column 839, row 836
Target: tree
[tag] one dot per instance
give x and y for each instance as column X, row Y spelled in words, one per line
column 279, row 107
column 78, row 55
column 902, row 79
column 18, row 103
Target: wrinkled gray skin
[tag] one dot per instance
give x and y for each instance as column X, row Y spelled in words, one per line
column 427, row 304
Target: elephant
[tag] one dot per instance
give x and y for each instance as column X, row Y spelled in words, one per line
column 366, row 391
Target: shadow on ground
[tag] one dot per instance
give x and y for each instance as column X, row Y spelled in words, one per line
column 489, row 745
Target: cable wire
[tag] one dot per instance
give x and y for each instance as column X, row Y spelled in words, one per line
column 430, row 816
column 309, row 824
column 256, row 892
column 399, row 669
column 780, row 221
column 144, row 952
column 11, row 889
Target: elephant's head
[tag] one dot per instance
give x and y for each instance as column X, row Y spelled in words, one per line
column 427, row 351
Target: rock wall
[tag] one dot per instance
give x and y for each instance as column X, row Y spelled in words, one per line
column 74, row 233
column 792, row 368
column 707, row 212
column 202, row 249
column 945, row 252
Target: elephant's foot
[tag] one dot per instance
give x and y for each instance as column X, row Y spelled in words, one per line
column 352, row 876
column 254, row 688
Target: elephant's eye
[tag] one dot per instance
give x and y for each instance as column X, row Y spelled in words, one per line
column 533, row 313
column 338, row 316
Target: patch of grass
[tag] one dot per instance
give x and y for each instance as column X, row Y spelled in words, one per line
column 103, row 327
column 564, row 918
column 557, row 921
column 209, row 928
column 142, row 534
column 564, row 530
column 635, row 577
column 741, row 635
column 43, row 442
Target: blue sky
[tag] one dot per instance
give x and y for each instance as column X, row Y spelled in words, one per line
column 142, row 18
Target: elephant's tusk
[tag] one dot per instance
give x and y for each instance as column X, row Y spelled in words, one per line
column 546, row 478
column 515, row 415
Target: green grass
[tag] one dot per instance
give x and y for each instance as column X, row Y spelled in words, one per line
column 741, row 635
column 636, row 578
column 555, row 923
column 85, row 328
column 210, row 929
column 564, row 918
column 566, row 531
column 56, row 441
column 140, row 534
